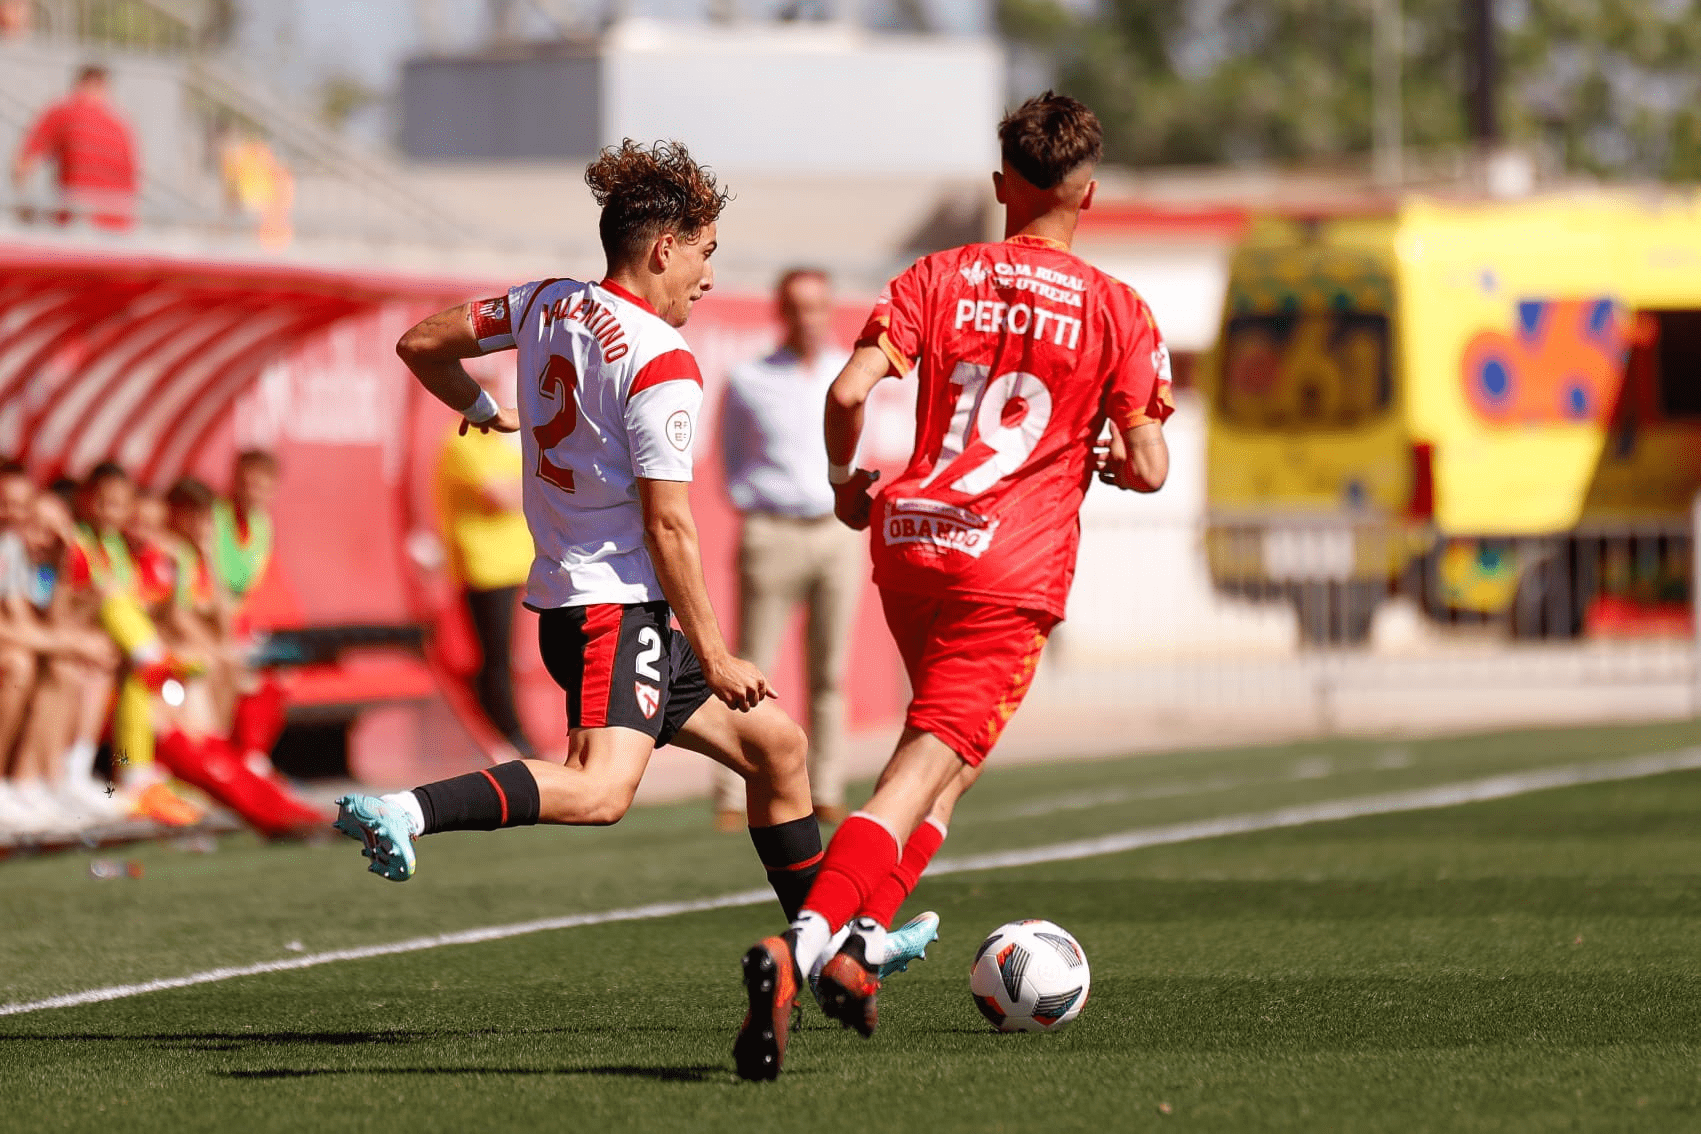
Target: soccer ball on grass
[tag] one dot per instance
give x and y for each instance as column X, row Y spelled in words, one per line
column 1030, row 976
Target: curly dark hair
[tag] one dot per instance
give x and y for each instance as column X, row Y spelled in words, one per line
column 1049, row 137
column 645, row 191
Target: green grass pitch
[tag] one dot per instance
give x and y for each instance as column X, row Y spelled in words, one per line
column 1522, row 964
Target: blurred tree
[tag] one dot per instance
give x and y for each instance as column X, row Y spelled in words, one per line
column 148, row 25
column 1613, row 86
column 341, row 96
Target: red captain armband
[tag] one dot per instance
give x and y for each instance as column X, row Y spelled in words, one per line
column 492, row 324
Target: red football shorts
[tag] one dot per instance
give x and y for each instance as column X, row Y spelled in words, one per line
column 970, row 664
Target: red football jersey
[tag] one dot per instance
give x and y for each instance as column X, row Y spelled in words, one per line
column 1022, row 350
column 156, row 573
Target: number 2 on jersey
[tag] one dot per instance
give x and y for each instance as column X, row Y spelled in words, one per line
column 559, row 379
column 1007, row 416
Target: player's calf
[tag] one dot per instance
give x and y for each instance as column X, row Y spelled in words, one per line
column 602, row 805
column 771, row 754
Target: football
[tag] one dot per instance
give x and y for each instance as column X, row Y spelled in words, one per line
column 1030, row 976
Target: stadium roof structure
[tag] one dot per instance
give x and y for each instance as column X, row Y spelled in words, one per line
column 135, row 356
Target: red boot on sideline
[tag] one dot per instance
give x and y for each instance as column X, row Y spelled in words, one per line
column 212, row 764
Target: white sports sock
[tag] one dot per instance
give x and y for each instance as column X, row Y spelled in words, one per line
column 138, row 778
column 78, row 761
column 873, row 937
column 813, row 937
column 833, row 946
column 408, row 802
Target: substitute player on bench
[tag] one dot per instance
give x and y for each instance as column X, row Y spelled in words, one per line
column 609, row 398
column 1023, row 352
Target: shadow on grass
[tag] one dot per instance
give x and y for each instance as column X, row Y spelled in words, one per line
column 238, row 1041
column 693, row 1074
column 229, row 1041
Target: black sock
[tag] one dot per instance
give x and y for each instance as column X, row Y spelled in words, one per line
column 503, row 796
column 792, row 853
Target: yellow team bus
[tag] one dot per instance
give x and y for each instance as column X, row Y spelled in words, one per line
column 1470, row 401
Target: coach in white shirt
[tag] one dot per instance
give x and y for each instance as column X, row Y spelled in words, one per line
column 792, row 550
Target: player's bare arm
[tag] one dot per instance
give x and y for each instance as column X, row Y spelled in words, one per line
column 1146, row 466
column 670, row 533
column 433, row 350
column 846, row 402
column 1135, row 460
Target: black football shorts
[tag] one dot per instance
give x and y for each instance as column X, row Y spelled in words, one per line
column 622, row 665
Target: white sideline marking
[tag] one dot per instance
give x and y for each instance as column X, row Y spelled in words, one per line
column 411, row 945
column 1415, row 799
column 1308, row 768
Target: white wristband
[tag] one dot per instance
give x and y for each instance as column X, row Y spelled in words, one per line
column 839, row 474
column 482, row 410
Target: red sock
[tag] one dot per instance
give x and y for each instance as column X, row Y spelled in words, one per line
column 862, row 853
column 259, row 718
column 883, row 904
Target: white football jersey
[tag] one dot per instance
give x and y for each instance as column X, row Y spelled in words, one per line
column 608, row 392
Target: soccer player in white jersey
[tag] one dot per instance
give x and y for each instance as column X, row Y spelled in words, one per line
column 609, row 399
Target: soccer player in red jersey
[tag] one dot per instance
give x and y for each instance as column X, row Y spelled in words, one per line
column 1023, row 352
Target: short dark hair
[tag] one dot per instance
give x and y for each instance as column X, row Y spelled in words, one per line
column 644, row 191
column 105, row 471
column 1049, row 137
column 257, row 458
column 91, row 71
column 188, row 493
column 800, row 272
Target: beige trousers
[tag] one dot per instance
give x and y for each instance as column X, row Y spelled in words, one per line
column 820, row 563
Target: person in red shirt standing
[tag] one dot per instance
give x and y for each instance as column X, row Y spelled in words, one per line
column 1023, row 352
column 92, row 152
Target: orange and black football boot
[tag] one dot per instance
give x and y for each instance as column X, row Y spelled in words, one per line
column 771, row 980
column 848, row 986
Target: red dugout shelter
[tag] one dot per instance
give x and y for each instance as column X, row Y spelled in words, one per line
column 168, row 365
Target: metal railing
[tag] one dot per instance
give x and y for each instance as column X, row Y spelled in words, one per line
column 151, row 26
column 1598, row 580
column 1314, row 626
column 341, row 190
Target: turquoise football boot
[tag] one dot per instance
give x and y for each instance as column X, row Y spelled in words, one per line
column 909, row 942
column 385, row 830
